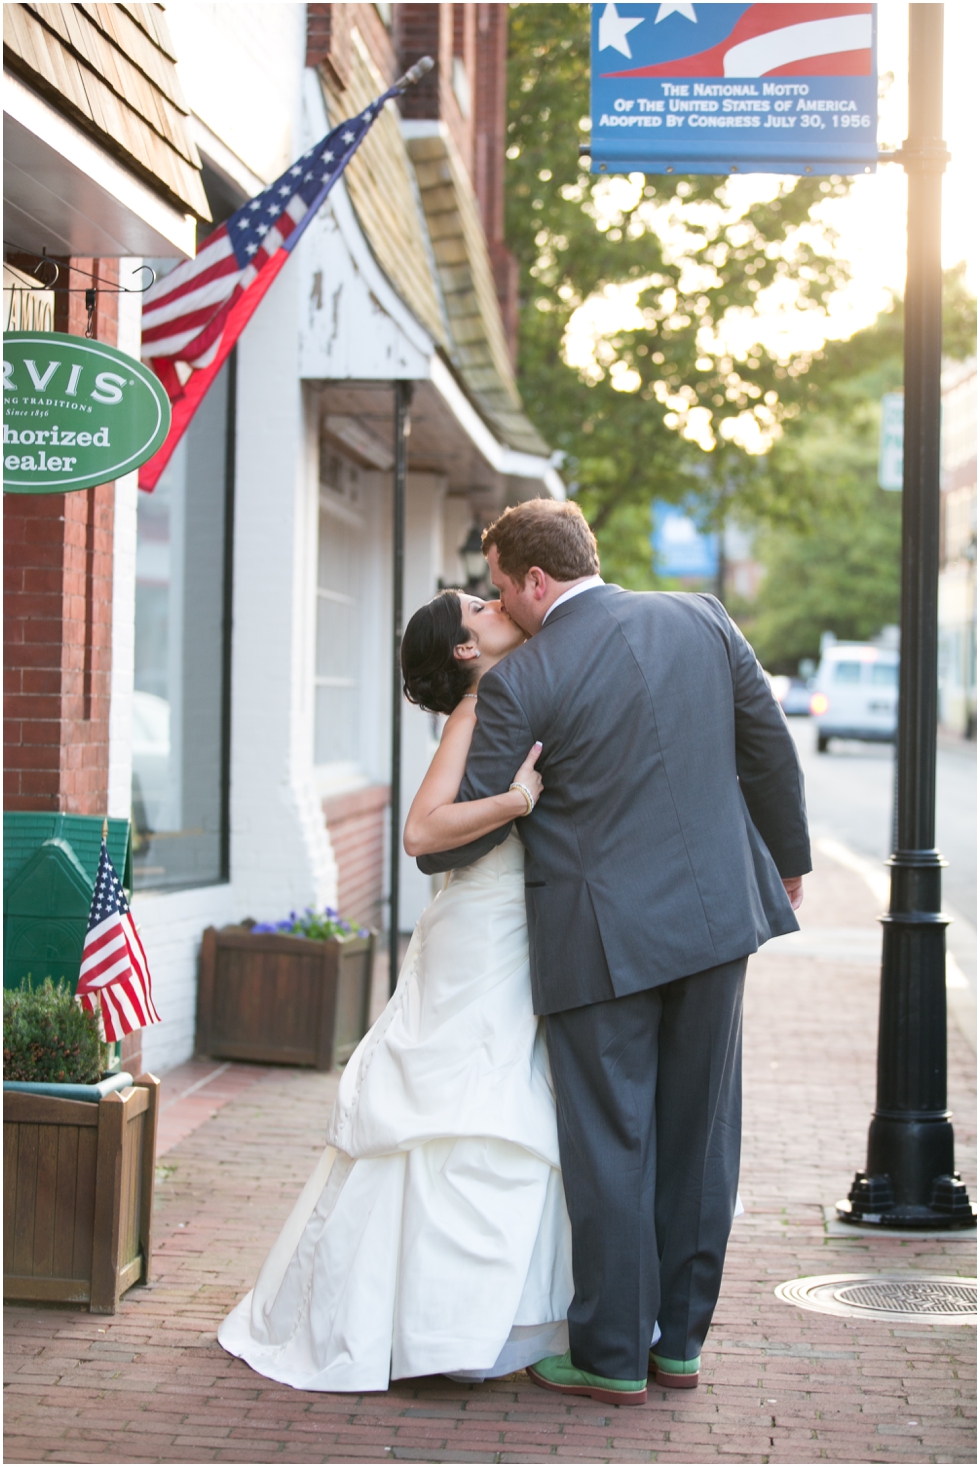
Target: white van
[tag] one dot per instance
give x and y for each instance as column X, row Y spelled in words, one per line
column 855, row 694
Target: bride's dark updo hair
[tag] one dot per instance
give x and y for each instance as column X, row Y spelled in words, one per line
column 434, row 679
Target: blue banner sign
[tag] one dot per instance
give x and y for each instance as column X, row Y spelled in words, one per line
column 891, row 441
column 694, row 88
column 680, row 549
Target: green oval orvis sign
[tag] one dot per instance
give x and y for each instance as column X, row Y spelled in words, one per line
column 75, row 412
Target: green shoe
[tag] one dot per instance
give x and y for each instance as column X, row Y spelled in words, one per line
column 557, row 1373
column 681, row 1375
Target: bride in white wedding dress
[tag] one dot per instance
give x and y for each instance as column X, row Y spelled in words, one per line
column 432, row 1236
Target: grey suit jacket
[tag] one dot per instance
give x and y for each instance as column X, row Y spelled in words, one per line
column 673, row 795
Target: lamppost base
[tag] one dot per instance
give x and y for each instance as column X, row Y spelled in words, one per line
column 871, row 1203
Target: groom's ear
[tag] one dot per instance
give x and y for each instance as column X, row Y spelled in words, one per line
column 536, row 582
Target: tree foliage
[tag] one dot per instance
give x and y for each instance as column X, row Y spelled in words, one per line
column 832, row 539
column 838, row 572
column 634, row 422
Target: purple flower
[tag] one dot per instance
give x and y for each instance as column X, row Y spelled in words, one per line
column 320, row 927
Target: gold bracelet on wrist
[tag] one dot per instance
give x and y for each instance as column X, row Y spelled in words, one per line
column 527, row 795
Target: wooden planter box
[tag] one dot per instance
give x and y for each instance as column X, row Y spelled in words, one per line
column 282, row 1000
column 78, row 1195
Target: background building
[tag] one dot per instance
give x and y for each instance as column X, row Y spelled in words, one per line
column 958, row 553
column 240, row 655
column 100, row 169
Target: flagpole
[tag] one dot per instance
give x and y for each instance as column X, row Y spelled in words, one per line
column 403, row 399
column 413, row 74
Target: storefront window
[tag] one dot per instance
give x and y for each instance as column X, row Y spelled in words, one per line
column 349, row 622
column 180, row 775
column 339, row 629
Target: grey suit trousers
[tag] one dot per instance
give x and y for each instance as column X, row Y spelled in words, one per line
column 649, row 1094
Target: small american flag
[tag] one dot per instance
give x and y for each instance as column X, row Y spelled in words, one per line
column 193, row 316
column 114, row 975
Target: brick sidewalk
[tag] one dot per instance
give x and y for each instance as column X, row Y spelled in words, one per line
column 779, row 1384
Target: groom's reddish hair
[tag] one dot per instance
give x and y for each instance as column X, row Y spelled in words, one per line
column 552, row 535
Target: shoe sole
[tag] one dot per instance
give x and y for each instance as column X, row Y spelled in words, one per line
column 675, row 1382
column 608, row 1398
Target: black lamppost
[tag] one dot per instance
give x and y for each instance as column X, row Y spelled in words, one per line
column 909, row 1181
column 471, row 554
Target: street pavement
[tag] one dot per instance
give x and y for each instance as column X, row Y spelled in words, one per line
column 849, row 799
column 779, row 1384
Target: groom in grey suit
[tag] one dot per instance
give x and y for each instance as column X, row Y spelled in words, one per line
column 669, row 843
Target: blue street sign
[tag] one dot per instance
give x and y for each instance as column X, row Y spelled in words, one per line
column 680, row 549
column 891, row 441
column 696, row 88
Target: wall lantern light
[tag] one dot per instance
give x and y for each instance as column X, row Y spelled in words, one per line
column 471, row 554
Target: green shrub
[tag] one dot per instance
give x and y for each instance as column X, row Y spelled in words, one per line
column 48, row 1036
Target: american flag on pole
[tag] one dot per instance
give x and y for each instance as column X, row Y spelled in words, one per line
column 114, row 977
column 193, row 316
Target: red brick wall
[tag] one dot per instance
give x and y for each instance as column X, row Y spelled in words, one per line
column 490, row 116
column 328, row 40
column 489, row 144
column 477, row 35
column 430, row 30
column 415, row 31
column 58, row 620
column 356, row 823
column 505, row 277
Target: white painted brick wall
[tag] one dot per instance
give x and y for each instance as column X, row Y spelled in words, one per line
column 170, row 926
column 241, row 68
column 281, row 853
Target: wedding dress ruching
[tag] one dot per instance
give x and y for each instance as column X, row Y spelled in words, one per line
column 436, row 1240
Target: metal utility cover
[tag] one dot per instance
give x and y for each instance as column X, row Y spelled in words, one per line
column 910, row 1298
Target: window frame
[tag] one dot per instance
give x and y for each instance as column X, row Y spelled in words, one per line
column 226, row 629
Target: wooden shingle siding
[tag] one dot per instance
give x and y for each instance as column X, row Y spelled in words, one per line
column 479, row 342
column 150, row 19
column 110, row 68
column 459, row 307
column 379, row 181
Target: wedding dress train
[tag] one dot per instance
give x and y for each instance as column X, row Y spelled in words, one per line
column 432, row 1236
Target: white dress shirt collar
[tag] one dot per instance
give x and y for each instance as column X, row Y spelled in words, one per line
column 585, row 585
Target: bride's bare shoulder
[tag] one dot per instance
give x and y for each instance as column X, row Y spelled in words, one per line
column 462, row 717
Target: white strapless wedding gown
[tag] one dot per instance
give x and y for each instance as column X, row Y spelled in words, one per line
column 436, row 1239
